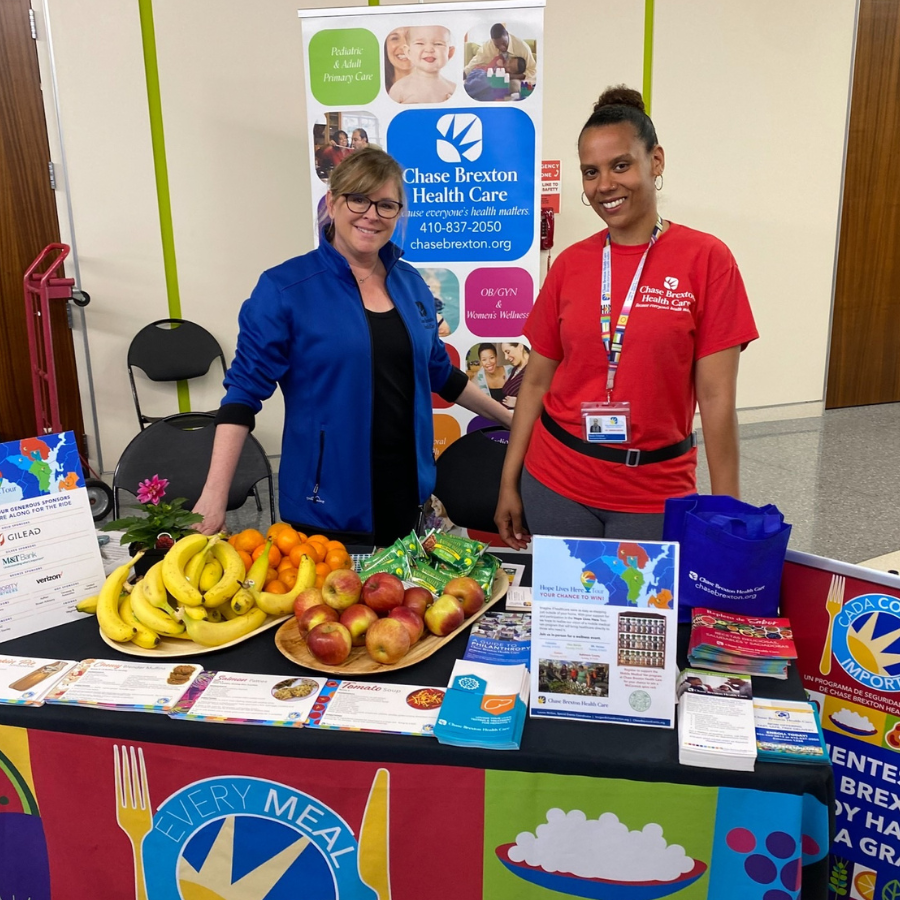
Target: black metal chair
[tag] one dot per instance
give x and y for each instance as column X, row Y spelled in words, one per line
column 171, row 350
column 179, row 448
column 468, row 478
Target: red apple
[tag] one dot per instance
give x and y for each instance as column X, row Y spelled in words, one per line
column 329, row 643
column 357, row 619
column 411, row 620
column 306, row 599
column 341, row 589
column 469, row 593
column 418, row 599
column 382, row 592
column 387, row 641
column 444, row 615
column 316, row 615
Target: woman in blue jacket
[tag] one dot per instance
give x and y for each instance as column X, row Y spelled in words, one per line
column 349, row 334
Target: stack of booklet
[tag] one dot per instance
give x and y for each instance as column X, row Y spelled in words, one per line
column 788, row 731
column 715, row 721
column 26, row 680
column 484, row 706
column 746, row 645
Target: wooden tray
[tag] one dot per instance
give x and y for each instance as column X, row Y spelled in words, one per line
column 171, row 647
column 293, row 646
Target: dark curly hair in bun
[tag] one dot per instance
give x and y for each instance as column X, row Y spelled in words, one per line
column 622, row 104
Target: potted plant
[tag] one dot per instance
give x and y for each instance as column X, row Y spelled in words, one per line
column 161, row 525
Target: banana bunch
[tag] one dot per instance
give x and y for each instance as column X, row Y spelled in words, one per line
column 199, row 591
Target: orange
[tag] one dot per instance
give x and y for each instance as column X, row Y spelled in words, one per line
column 315, row 550
column 318, row 537
column 275, row 587
column 276, row 529
column 295, row 555
column 338, row 559
column 320, row 580
column 233, row 540
column 288, row 577
column 287, row 540
column 322, row 569
column 271, row 575
column 335, row 545
column 285, row 564
column 246, row 559
column 274, row 554
column 303, row 537
column 249, row 539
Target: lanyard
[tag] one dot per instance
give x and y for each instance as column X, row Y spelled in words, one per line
column 614, row 346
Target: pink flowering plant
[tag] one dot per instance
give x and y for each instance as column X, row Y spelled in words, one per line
column 162, row 523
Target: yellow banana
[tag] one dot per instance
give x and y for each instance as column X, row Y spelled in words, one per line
column 227, row 612
column 195, row 566
column 108, row 617
column 210, row 575
column 194, row 612
column 243, row 601
column 214, row 615
column 88, row 605
column 282, row 604
column 155, row 619
column 185, row 593
column 214, row 634
column 144, row 637
column 252, row 585
column 233, row 572
column 154, row 588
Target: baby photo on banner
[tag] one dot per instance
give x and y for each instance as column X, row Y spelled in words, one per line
column 453, row 93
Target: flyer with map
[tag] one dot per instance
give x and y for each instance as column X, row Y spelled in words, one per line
column 49, row 556
column 604, row 628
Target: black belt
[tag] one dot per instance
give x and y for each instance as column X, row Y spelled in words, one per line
column 630, row 457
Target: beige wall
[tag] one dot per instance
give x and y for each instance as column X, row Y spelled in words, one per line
column 749, row 99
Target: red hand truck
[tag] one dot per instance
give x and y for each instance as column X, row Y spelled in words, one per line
column 44, row 281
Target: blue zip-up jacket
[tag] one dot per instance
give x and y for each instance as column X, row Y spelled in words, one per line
column 305, row 330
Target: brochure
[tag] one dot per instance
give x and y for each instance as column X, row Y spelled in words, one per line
column 788, row 731
column 518, row 599
column 241, row 699
column 514, row 571
column 49, row 557
column 125, row 686
column 369, row 706
column 500, row 638
column 26, row 680
column 604, row 628
column 715, row 721
column 484, row 706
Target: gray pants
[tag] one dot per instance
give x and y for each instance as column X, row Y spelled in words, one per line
column 547, row 512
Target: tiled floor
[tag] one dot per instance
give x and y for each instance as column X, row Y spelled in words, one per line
column 836, row 478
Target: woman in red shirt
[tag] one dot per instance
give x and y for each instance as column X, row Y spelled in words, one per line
column 648, row 316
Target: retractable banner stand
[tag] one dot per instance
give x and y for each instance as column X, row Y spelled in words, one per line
column 846, row 622
column 461, row 112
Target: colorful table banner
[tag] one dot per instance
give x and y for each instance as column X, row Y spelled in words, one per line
column 846, row 623
column 461, row 111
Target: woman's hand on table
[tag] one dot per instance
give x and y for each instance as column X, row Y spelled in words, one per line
column 509, row 519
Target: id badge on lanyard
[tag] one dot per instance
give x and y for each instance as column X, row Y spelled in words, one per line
column 608, row 421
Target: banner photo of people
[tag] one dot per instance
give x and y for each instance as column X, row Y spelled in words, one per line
column 846, row 623
column 454, row 93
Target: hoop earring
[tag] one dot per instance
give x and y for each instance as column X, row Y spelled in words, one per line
column 658, row 181
column 584, row 199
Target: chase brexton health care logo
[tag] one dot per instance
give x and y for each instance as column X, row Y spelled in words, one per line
column 460, row 137
column 866, row 641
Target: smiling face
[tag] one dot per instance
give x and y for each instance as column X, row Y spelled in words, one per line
column 617, row 174
column 513, row 354
column 359, row 236
column 395, row 45
column 502, row 42
column 488, row 360
column 429, row 47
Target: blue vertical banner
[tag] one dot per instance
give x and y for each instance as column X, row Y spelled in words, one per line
column 454, row 92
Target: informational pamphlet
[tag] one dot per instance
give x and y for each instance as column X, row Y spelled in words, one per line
column 514, row 571
column 604, row 628
column 125, row 686
column 518, row 599
column 49, row 557
column 26, row 680
column 788, row 731
column 500, row 638
column 241, row 699
column 371, row 706
column 715, row 721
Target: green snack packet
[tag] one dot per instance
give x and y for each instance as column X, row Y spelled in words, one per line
column 391, row 559
column 460, row 553
column 429, row 577
column 484, row 573
column 413, row 546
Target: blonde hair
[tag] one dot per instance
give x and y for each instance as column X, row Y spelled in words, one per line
column 364, row 171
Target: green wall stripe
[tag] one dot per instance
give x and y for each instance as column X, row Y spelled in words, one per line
column 158, row 141
column 648, row 54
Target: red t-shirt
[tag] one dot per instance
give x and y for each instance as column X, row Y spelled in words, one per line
column 690, row 303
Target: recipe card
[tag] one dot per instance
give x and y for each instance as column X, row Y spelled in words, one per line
column 26, row 680
column 125, row 686
column 241, row 699
column 367, row 706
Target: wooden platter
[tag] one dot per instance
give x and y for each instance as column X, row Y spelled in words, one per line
column 289, row 642
column 178, row 647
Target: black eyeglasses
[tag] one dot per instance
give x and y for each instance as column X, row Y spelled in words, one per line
column 360, row 203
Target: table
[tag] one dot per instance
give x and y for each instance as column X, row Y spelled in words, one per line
column 231, row 802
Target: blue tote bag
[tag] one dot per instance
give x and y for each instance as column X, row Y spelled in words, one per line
column 731, row 554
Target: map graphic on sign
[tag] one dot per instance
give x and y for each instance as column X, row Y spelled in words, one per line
column 618, row 573
column 36, row 467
